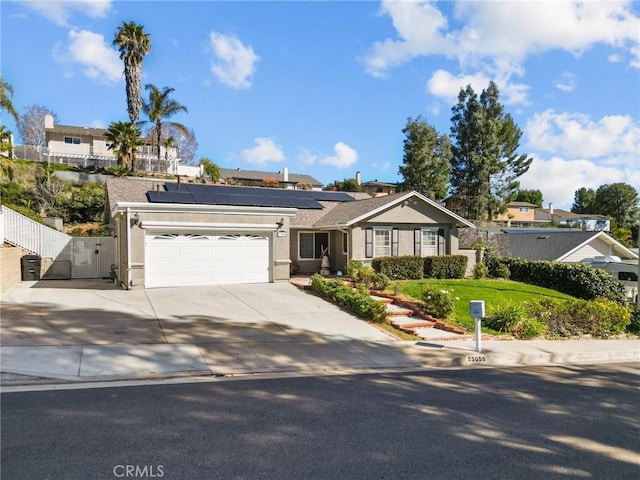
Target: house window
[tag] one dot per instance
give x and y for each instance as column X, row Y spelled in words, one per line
column 72, row 140
column 428, row 242
column 524, row 209
column 311, row 244
column 345, row 243
column 381, row 242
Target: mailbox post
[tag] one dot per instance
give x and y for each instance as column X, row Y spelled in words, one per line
column 476, row 308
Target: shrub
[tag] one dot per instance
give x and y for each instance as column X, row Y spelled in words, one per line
column 437, row 302
column 447, row 266
column 480, row 270
column 353, row 269
column 358, row 302
column 380, row 281
column 578, row 280
column 600, row 318
column 634, row 323
column 515, row 320
column 365, row 276
column 502, row 271
column 406, row 267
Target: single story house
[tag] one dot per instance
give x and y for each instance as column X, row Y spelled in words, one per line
column 179, row 234
column 553, row 244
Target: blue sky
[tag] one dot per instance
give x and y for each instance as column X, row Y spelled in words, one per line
column 325, row 88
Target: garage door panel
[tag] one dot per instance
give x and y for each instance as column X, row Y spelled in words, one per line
column 188, row 259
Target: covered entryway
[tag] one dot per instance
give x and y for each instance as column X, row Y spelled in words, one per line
column 185, row 259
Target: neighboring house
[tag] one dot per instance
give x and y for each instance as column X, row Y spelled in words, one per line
column 518, row 214
column 588, row 222
column 560, row 245
column 177, row 234
column 88, row 147
column 377, row 189
column 295, row 181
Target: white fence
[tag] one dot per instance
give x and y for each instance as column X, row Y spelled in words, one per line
column 90, row 257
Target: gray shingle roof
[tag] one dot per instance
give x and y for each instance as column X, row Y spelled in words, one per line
column 549, row 245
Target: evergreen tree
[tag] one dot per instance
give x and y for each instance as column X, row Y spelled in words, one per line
column 485, row 164
column 584, row 200
column 531, row 196
column 426, row 160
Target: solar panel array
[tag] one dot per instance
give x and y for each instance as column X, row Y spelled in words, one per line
column 194, row 193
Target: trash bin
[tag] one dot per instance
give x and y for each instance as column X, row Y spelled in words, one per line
column 31, row 267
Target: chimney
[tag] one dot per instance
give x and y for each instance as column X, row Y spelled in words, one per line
column 550, row 208
column 358, row 179
column 285, row 172
column 48, row 121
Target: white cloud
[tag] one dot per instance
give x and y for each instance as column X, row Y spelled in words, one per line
column 344, row 156
column 235, row 63
column 98, row 60
column 495, row 38
column 306, row 157
column 558, row 178
column 446, row 86
column 60, row 11
column 613, row 138
column 265, row 151
column 566, row 82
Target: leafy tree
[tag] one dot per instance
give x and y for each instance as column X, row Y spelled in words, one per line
column 584, row 201
column 427, row 156
column 31, row 127
column 6, row 92
column 485, row 166
column 124, row 138
column 134, row 44
column 84, row 204
column 346, row 185
column 210, row 169
column 530, row 196
column 159, row 107
column 619, row 201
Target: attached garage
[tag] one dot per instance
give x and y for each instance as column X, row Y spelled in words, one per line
column 186, row 259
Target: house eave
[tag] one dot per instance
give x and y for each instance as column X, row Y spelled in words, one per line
column 200, row 208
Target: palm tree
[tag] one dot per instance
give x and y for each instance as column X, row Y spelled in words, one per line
column 6, row 147
column 124, row 138
column 158, row 108
column 133, row 43
column 6, row 91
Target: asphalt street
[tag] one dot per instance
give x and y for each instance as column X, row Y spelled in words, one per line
column 526, row 423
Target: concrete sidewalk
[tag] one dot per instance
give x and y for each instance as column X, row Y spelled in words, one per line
column 84, row 363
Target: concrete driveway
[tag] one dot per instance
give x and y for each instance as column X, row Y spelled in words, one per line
column 95, row 312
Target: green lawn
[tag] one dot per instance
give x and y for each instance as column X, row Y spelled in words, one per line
column 494, row 293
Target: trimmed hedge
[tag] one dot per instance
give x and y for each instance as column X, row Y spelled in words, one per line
column 575, row 279
column 448, row 266
column 406, row 267
column 358, row 302
column 410, row 267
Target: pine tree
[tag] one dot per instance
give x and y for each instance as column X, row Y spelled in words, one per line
column 426, row 160
column 485, row 165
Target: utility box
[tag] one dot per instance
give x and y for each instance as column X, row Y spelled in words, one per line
column 31, row 265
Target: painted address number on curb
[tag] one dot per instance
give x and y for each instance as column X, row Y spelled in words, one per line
column 476, row 359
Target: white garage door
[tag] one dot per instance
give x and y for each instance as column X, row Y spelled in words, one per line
column 176, row 260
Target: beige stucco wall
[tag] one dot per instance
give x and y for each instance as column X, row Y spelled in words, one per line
column 10, row 267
